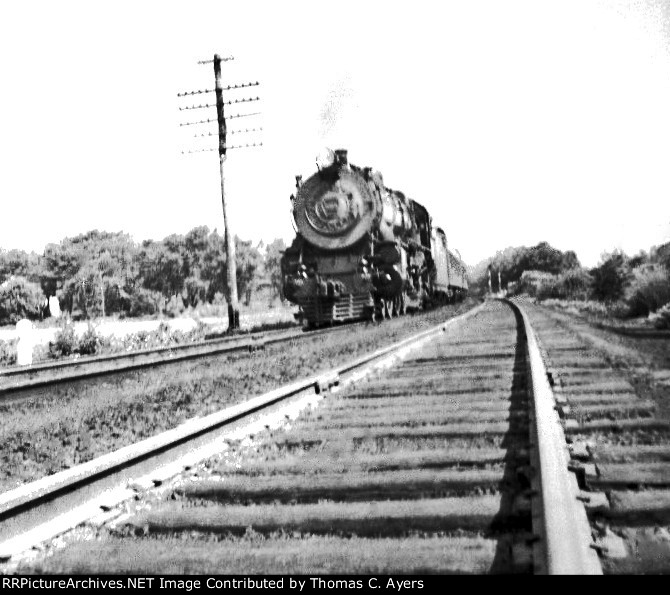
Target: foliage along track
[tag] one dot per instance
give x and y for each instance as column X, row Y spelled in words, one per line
column 423, row 468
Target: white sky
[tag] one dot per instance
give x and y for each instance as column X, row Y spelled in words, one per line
column 512, row 122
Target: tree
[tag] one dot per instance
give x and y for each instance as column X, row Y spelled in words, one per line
column 196, row 243
column 96, row 272
column 20, row 298
column 162, row 267
column 213, row 270
column 20, row 264
column 194, row 292
column 273, row 255
column 514, row 261
column 248, row 261
column 610, row 278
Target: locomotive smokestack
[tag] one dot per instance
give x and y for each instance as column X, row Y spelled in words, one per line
column 341, row 157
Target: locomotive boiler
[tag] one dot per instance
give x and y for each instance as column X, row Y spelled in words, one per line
column 363, row 250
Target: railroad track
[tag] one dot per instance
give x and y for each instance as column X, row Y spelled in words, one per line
column 19, row 382
column 444, row 462
column 620, row 445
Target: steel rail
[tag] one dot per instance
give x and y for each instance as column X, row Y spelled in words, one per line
column 559, row 517
column 37, row 511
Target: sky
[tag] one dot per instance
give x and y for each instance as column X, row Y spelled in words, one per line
column 513, row 122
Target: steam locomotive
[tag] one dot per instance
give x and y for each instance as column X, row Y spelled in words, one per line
column 363, row 250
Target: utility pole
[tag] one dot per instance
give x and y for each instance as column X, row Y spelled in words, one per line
column 233, row 305
column 233, row 300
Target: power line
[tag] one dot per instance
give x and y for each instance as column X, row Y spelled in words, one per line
column 229, row 132
column 198, row 122
column 231, row 102
column 215, row 120
column 220, row 60
column 228, row 88
column 228, row 148
column 243, row 115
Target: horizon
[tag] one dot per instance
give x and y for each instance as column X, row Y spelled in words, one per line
column 266, row 241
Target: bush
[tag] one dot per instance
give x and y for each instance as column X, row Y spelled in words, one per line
column 649, row 290
column 574, row 284
column 64, row 344
column 548, row 288
column 661, row 319
column 610, row 278
column 90, row 342
column 590, row 307
column 535, row 284
column 20, row 298
column 8, row 352
column 174, row 307
column 144, row 302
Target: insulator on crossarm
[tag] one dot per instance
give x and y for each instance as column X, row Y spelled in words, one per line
column 212, row 61
column 245, row 130
column 242, row 115
column 190, row 107
column 199, row 92
column 198, row 122
column 244, row 146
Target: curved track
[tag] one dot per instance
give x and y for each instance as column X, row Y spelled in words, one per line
column 430, row 466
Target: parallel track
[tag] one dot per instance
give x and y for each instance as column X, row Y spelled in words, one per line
column 620, row 444
column 429, row 467
column 19, row 382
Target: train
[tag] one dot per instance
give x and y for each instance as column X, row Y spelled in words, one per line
column 362, row 250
